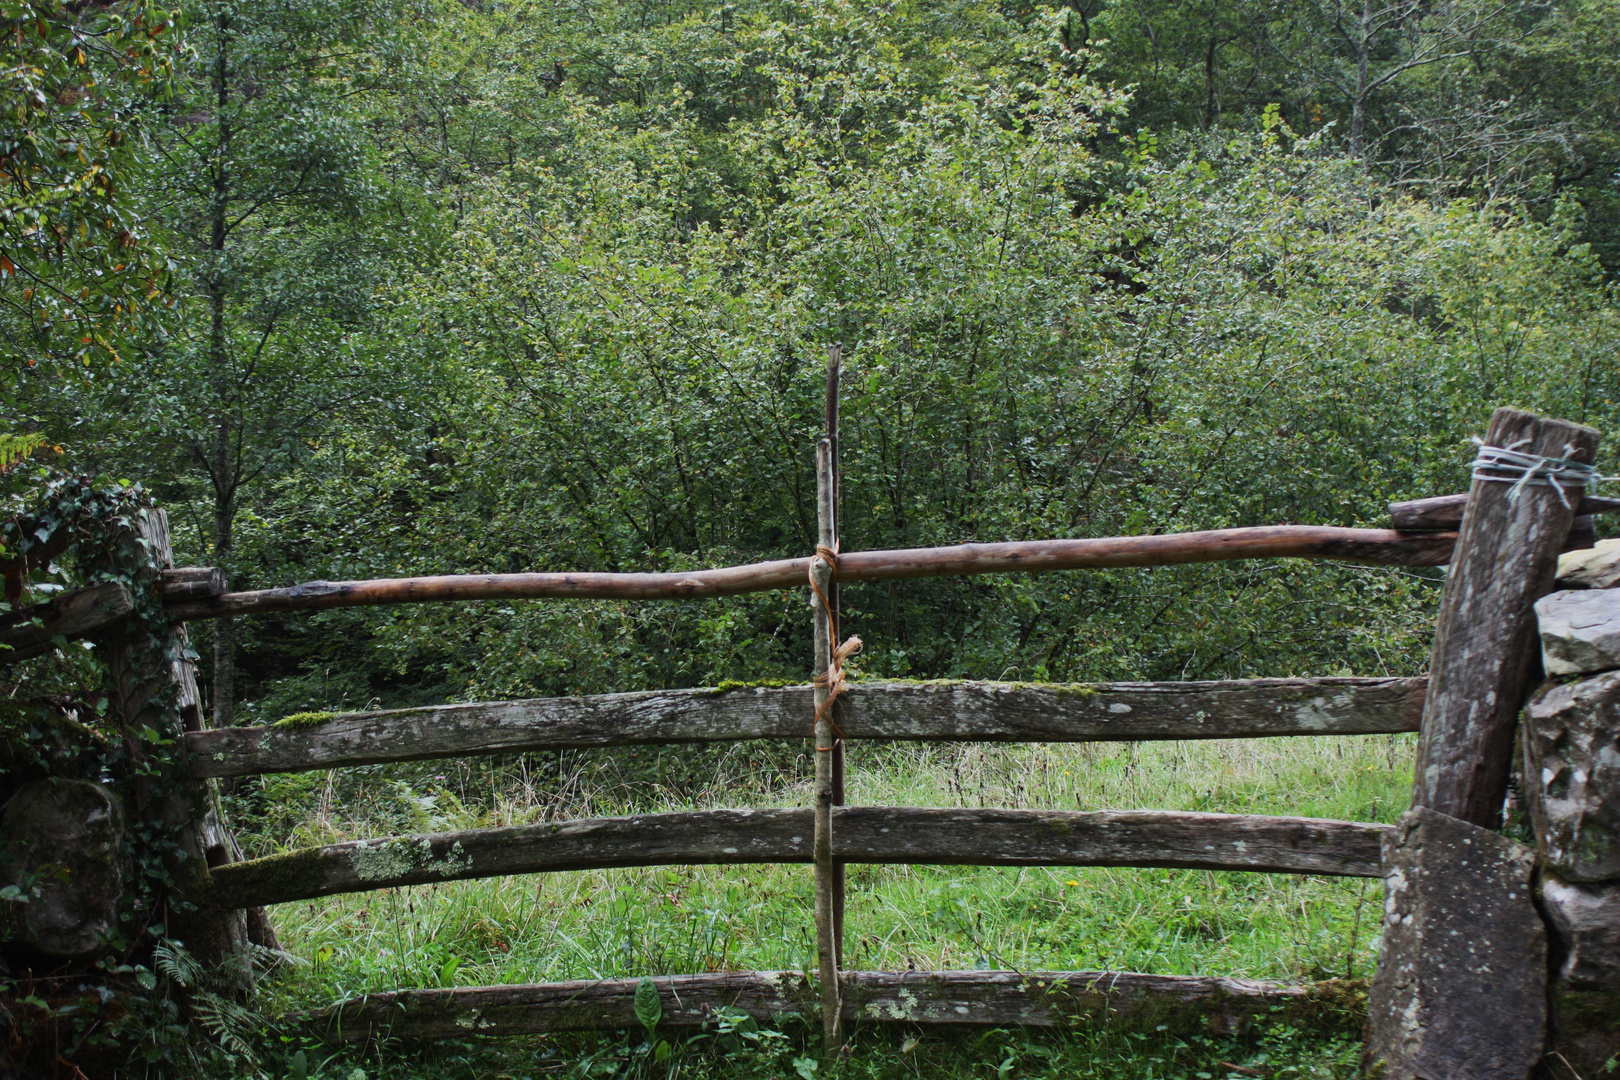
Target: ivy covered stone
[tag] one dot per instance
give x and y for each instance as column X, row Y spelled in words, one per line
column 1570, row 746
column 61, row 868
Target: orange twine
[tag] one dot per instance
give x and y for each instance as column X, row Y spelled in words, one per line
column 831, row 680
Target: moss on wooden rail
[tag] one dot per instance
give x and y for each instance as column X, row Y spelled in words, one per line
column 864, row 834
column 941, row 709
column 1181, row 1004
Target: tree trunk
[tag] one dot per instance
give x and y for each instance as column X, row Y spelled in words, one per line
column 221, row 465
column 1358, row 107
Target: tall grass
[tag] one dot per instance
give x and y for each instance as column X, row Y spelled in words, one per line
column 663, row 920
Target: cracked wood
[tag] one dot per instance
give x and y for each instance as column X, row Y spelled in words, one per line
column 987, row 711
column 1191, row 1003
column 864, row 834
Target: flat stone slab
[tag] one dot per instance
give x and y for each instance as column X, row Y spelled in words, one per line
column 1569, row 744
column 1580, row 631
column 1596, row 567
column 1461, row 989
column 63, row 848
column 1585, row 923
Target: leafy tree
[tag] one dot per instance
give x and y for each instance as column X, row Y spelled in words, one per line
column 268, row 180
column 78, row 277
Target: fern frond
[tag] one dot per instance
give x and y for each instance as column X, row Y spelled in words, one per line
column 14, row 448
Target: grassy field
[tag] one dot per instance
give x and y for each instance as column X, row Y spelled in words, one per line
column 665, row 920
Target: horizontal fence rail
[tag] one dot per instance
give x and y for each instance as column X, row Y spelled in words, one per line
column 1446, row 511
column 940, row 710
column 34, row 630
column 984, row 998
column 1383, row 547
column 863, row 834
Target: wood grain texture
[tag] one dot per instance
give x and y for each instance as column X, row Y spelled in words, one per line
column 860, row 834
column 1446, row 511
column 151, row 683
column 946, row 709
column 829, row 881
column 32, row 630
column 1383, row 547
column 1507, row 557
column 1184, row 1003
column 192, row 583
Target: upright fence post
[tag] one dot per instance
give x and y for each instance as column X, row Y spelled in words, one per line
column 149, row 674
column 827, row 900
column 1460, row 991
column 1504, row 561
column 835, row 359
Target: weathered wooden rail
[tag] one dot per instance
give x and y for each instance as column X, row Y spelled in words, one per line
column 1503, row 550
column 977, row 998
column 864, row 834
column 942, row 710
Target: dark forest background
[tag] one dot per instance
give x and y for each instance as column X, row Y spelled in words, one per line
column 364, row 288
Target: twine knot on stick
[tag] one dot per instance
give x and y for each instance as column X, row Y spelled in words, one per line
column 1510, row 465
column 831, row 680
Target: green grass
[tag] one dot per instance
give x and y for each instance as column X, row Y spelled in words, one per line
column 666, row 920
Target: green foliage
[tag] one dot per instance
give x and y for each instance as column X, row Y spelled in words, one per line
column 78, row 281
column 118, row 1012
column 502, row 287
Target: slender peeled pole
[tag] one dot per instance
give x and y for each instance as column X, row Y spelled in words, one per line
column 835, row 360
column 826, row 879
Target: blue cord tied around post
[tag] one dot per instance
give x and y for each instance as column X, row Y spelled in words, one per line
column 1508, row 465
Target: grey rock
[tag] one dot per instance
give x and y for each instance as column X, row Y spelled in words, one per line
column 1570, row 753
column 63, row 848
column 1461, row 988
column 1580, row 631
column 1585, row 922
column 1596, row 567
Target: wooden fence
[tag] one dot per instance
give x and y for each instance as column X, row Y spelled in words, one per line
column 1501, row 552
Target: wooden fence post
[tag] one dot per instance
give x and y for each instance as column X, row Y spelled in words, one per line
column 835, row 362
column 827, row 899
column 149, row 674
column 1505, row 560
column 1460, row 991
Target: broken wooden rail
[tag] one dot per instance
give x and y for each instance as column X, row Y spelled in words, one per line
column 34, row 630
column 940, row 710
column 862, row 834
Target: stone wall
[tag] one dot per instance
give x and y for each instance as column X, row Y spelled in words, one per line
column 1570, row 759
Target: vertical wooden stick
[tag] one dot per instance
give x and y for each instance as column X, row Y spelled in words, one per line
column 1505, row 559
column 835, row 359
column 826, row 880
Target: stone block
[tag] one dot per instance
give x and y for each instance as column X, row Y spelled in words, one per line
column 1461, row 988
column 1596, row 567
column 1585, row 921
column 1570, row 754
column 1580, row 631
column 63, row 847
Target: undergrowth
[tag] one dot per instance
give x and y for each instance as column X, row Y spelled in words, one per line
column 669, row 920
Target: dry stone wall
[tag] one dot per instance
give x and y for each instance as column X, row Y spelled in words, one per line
column 1570, row 769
